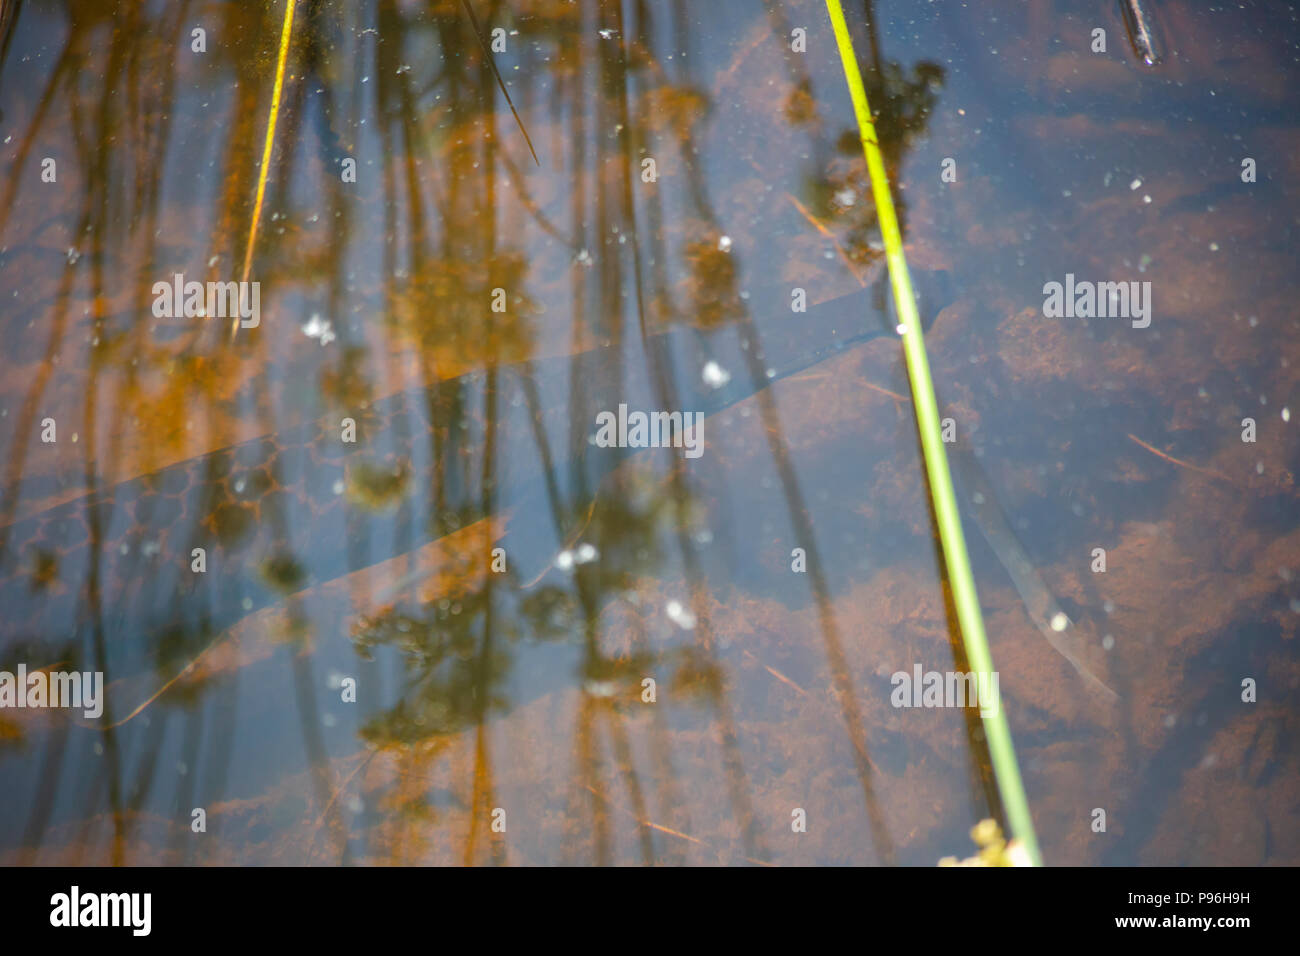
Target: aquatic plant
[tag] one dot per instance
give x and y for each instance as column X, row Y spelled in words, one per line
column 994, row 848
column 997, row 731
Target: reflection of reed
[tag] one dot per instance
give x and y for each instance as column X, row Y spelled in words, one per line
column 447, row 241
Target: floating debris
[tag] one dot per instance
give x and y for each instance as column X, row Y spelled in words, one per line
column 318, row 328
column 584, row 553
column 1141, row 31
column 600, row 688
column 994, row 849
column 680, row 615
column 715, row 376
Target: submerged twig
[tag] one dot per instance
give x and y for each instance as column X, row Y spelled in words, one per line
column 487, row 52
column 1184, row 464
column 825, row 231
column 645, row 823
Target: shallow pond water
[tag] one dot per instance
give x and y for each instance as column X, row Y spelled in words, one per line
column 366, row 584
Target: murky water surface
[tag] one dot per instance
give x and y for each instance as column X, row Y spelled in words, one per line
column 362, row 577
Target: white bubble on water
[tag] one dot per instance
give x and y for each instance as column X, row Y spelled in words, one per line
column 680, row 616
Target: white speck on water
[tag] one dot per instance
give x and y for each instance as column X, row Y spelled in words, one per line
column 901, row 329
column 1214, row 247
column 1286, row 414
column 680, row 616
column 724, row 243
column 1108, row 642
column 846, row 197
column 246, row 604
column 1060, row 622
column 1108, row 607
column 1170, row 720
column 1135, row 184
column 600, row 688
column 564, row 560
column 318, row 328
column 585, row 554
column 338, row 487
column 715, row 376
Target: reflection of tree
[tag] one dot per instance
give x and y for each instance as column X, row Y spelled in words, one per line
column 902, row 99
column 451, row 203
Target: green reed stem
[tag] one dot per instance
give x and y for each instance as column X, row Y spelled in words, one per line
column 971, row 621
